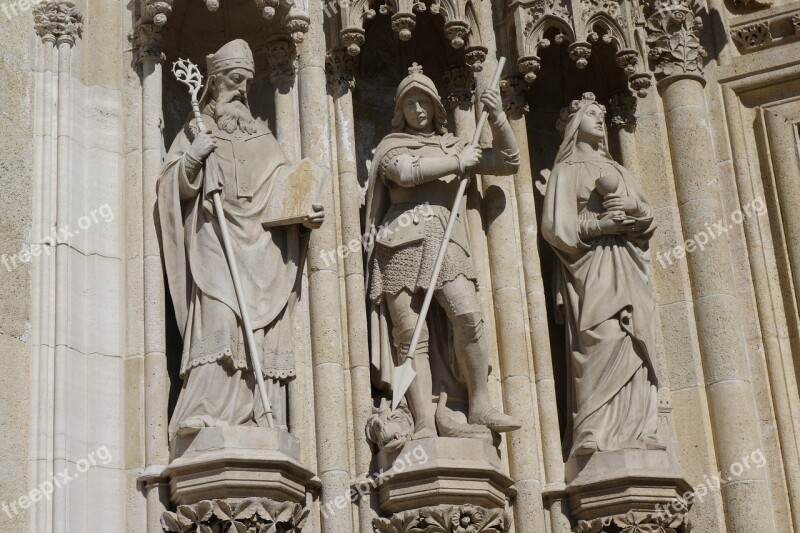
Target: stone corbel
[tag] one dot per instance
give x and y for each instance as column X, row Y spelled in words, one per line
column 581, row 24
column 294, row 20
column 460, row 26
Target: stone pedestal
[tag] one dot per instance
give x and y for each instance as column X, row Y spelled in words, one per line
column 237, row 462
column 609, row 490
column 441, row 480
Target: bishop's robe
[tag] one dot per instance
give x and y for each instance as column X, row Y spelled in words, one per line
column 219, row 386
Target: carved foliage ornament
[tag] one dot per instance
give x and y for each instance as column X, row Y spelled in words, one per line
column 673, row 29
column 148, row 41
column 445, row 519
column 340, row 70
column 752, row 35
column 58, row 20
column 610, row 7
column 256, row 515
column 636, row 522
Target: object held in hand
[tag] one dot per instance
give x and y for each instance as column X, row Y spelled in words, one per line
column 293, row 193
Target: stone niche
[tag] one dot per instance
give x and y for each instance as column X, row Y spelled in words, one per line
column 251, row 477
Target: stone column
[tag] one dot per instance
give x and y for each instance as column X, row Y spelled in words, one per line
column 783, row 151
column 40, row 369
column 68, row 29
column 622, row 118
column 341, row 68
column 516, row 106
column 281, row 55
column 330, row 400
column 518, row 393
column 722, row 345
column 459, row 91
column 148, row 39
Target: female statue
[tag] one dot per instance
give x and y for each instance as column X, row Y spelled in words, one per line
column 412, row 184
column 599, row 223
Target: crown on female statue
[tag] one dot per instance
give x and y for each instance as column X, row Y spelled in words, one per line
column 235, row 54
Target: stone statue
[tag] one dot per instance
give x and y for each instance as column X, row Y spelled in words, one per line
column 599, row 223
column 240, row 157
column 412, row 184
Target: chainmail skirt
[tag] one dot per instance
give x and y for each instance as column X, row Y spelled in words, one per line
column 411, row 267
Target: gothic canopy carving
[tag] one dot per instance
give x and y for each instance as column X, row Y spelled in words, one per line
column 460, row 23
column 580, row 24
column 291, row 16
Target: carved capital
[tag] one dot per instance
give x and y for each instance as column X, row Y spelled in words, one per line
column 459, row 86
column 622, row 111
column 635, row 522
column 60, row 22
column 514, row 101
column 147, row 39
column 796, row 23
column 450, row 518
column 340, row 68
column 281, row 55
column 673, row 28
column 247, row 514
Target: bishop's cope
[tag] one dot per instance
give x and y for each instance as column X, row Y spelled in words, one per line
column 238, row 156
column 415, row 177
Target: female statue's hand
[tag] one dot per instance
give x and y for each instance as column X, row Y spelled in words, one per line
column 614, row 202
column 614, row 223
column 469, row 157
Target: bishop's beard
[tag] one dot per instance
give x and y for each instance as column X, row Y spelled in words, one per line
column 235, row 114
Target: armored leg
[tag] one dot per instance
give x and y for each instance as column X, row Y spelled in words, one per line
column 460, row 300
column 404, row 310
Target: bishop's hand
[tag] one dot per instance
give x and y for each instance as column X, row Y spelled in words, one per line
column 315, row 217
column 202, row 146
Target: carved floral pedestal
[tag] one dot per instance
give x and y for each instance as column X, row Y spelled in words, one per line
column 443, row 484
column 237, row 477
column 626, row 491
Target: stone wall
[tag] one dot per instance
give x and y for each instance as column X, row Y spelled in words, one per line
column 18, row 181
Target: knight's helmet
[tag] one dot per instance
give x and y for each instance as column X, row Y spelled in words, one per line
column 417, row 80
